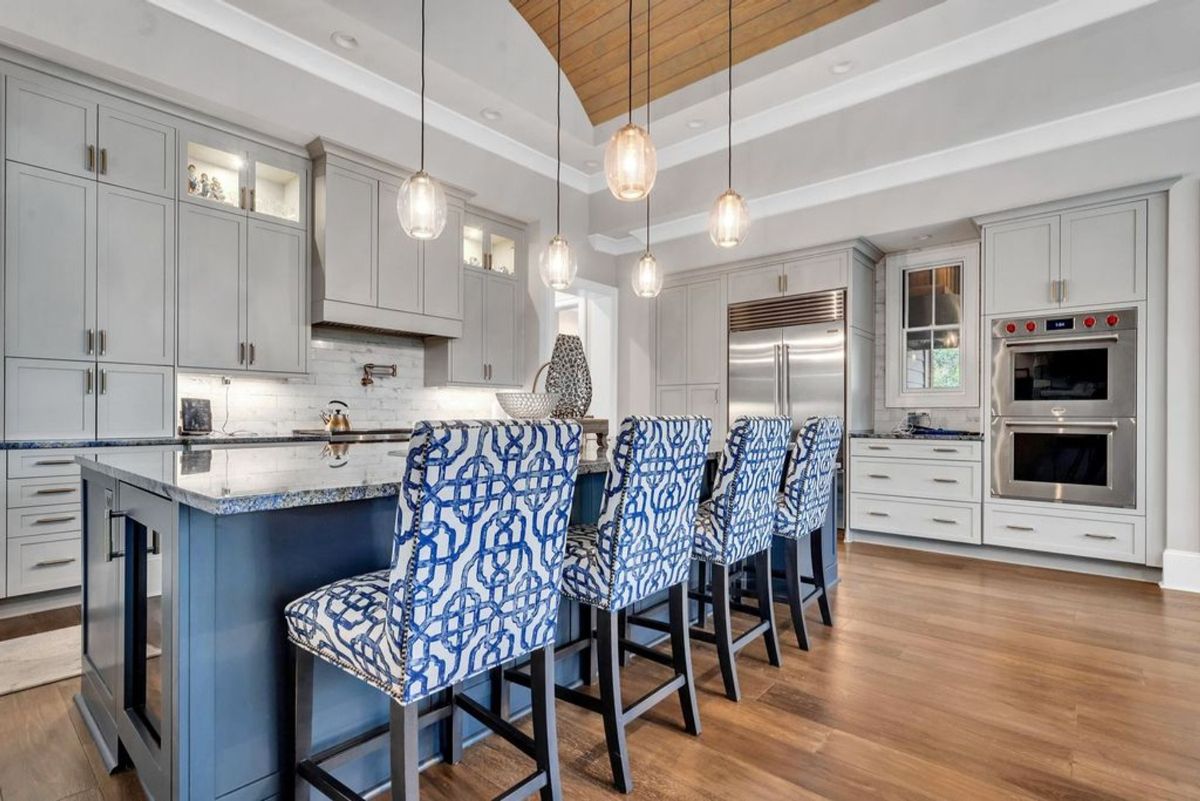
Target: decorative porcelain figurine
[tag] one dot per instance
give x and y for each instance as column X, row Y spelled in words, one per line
column 193, row 183
column 215, row 188
column 204, row 185
column 569, row 377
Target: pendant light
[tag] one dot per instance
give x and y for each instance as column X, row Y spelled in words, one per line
column 421, row 204
column 647, row 277
column 729, row 219
column 630, row 162
column 557, row 264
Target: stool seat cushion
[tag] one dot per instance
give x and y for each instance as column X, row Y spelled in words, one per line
column 587, row 576
column 808, row 483
column 345, row 623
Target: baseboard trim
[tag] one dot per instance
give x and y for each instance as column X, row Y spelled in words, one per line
column 1181, row 571
column 42, row 602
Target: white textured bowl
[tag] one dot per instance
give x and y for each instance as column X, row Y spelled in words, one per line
column 527, row 405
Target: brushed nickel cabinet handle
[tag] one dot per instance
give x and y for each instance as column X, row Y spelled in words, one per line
column 1019, row 528
column 103, row 341
column 104, row 161
column 87, row 381
column 91, row 158
column 945, row 520
column 878, row 514
column 54, row 491
column 104, row 382
column 55, row 562
column 252, row 353
column 945, row 481
column 877, row 475
column 1062, row 290
column 945, row 450
column 252, row 203
column 53, row 462
column 241, row 353
column 1090, row 535
column 242, row 198
column 785, row 283
column 155, row 546
column 112, row 553
column 46, row 521
column 91, row 341
column 879, row 447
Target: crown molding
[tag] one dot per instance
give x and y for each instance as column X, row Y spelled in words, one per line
column 615, row 246
column 246, row 29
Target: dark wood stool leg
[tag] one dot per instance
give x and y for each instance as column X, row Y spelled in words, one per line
column 405, row 735
column 766, row 603
column 545, row 729
column 722, row 622
column 452, row 739
column 681, row 653
column 818, row 567
column 795, row 590
column 623, row 619
column 500, row 697
column 587, row 657
column 302, row 672
column 609, row 655
column 702, row 570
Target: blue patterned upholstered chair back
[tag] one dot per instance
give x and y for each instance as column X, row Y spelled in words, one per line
column 742, row 508
column 480, row 533
column 644, row 533
column 804, row 502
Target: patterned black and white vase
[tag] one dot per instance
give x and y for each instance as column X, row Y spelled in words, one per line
column 569, row 377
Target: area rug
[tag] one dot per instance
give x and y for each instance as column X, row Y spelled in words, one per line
column 38, row 659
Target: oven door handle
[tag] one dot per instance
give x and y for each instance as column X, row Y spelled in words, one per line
column 1113, row 424
column 1033, row 343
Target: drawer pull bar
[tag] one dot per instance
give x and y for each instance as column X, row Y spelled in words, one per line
column 879, row 447
column 53, row 462
column 1019, row 528
column 945, row 520
column 54, row 491
column 877, row 475
column 45, row 521
column 55, row 562
column 878, row 514
column 945, row 481
column 945, row 450
column 1090, row 535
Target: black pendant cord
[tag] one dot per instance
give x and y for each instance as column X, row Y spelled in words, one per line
column 558, row 123
column 647, row 115
column 630, row 93
column 422, row 85
column 729, row 128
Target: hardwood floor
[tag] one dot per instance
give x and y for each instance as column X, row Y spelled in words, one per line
column 38, row 622
column 945, row 678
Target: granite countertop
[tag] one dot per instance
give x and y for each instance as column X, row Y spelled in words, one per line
column 225, row 481
column 955, row 436
column 194, row 441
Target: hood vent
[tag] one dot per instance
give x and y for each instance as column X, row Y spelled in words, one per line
column 818, row 307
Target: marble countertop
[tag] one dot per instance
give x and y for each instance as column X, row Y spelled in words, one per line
column 955, row 436
column 212, row 440
column 232, row 480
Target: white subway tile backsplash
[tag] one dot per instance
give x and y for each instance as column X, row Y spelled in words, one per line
column 335, row 361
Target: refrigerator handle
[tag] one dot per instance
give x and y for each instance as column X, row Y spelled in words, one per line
column 786, row 409
column 778, row 378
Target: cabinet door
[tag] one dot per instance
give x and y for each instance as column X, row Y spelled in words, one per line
column 135, row 400
column 276, row 318
column 348, row 258
column 51, row 124
column 442, row 270
column 135, row 283
column 50, row 264
column 816, row 274
column 136, row 152
column 45, row 399
column 672, row 401
column 705, row 401
column 102, row 616
column 213, row 169
column 1104, row 255
column 500, row 329
column 212, row 270
column 705, row 322
column 756, row 284
column 1020, row 264
column 278, row 187
column 671, row 334
column 466, row 352
column 399, row 257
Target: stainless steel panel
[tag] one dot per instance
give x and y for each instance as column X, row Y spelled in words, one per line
column 755, row 386
column 815, row 370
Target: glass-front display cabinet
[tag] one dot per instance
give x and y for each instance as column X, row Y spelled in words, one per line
column 244, row 176
column 491, row 244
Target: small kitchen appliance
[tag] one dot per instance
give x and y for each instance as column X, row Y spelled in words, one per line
column 336, row 417
column 195, row 417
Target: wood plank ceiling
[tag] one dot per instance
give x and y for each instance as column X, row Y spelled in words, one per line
column 688, row 41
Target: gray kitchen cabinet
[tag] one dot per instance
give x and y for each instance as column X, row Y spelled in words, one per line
column 467, row 354
column 49, row 399
column 488, row 352
column 347, row 251
column 136, row 151
column 276, row 299
column 51, row 124
column 401, row 279
column 817, row 273
column 442, row 271
column 1021, row 265
column 705, row 324
column 671, row 309
column 102, row 663
column 212, row 274
column 50, row 264
column 134, row 400
column 135, row 265
column 756, row 283
column 672, row 400
column 219, row 170
column 500, row 330
column 704, row 400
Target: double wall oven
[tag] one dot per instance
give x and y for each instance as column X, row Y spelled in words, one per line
column 1064, row 408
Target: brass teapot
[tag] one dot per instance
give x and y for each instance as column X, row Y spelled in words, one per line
column 336, row 419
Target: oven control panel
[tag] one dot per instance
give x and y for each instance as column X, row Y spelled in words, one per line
column 1078, row 324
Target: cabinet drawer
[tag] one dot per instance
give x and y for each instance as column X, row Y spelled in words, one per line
column 35, row 463
column 44, row 562
column 956, row 522
column 33, row 520
column 944, row 450
column 1096, row 537
column 913, row 478
column 43, row 491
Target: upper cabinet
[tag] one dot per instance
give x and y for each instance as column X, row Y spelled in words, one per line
column 800, row 276
column 490, row 244
column 367, row 270
column 690, row 322
column 1082, row 257
column 244, row 177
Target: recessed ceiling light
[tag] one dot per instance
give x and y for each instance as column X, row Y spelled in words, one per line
column 842, row 67
column 591, row 164
column 490, row 114
column 923, row 237
column 694, row 124
column 344, row 40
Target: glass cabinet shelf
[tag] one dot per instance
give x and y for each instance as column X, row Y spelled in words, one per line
column 277, row 192
column 214, row 175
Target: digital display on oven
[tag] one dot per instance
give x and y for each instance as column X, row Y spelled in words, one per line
column 1061, row 324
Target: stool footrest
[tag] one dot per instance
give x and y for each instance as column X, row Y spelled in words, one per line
column 325, row 783
column 648, row 623
column 647, row 652
column 525, row 788
column 740, row 642
column 652, row 698
column 499, row 725
column 568, row 694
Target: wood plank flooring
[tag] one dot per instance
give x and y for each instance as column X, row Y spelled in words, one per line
column 945, row 678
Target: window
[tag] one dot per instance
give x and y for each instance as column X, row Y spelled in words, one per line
column 932, row 333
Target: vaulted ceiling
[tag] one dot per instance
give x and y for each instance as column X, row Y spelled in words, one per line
column 688, row 41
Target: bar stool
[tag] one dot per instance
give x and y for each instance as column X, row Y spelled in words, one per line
column 737, row 524
column 801, row 512
column 640, row 546
column 474, row 582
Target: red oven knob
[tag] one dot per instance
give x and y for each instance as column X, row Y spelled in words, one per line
column 1031, row 326
column 1011, row 328
column 1112, row 320
column 1089, row 321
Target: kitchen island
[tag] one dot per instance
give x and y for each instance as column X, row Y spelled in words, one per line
column 189, row 561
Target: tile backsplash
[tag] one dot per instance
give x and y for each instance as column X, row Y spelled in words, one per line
column 335, row 361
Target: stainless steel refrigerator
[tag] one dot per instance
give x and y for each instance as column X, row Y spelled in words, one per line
column 788, row 356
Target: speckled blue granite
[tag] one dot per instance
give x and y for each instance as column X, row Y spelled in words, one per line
column 215, row 440
column 969, row 436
